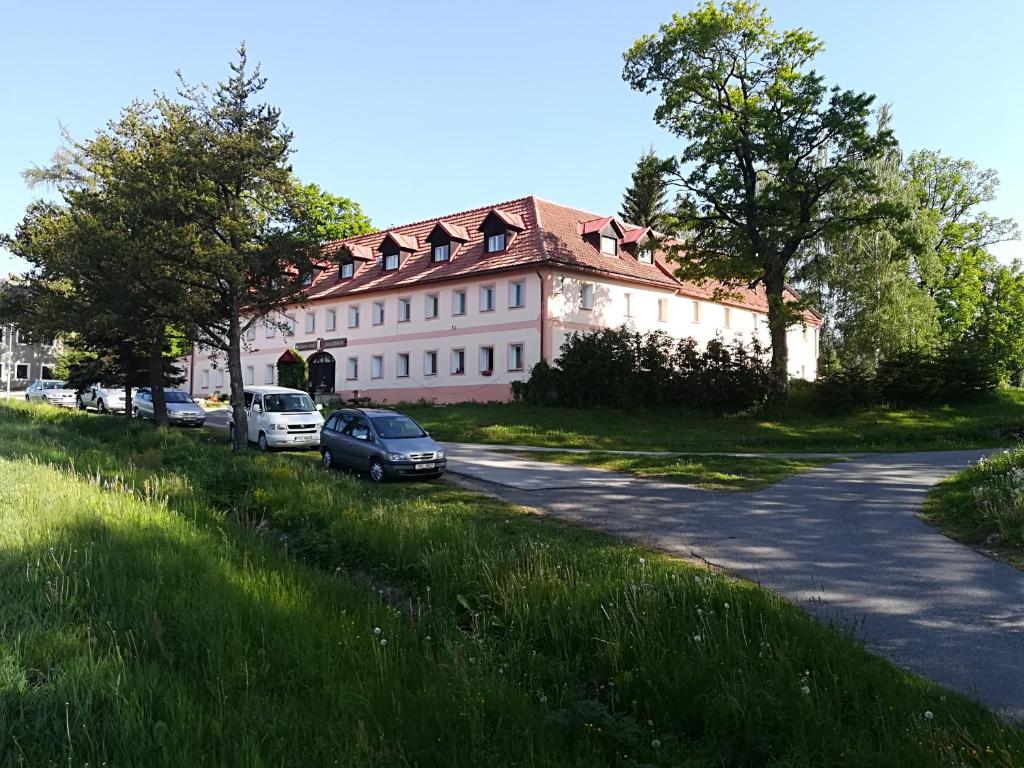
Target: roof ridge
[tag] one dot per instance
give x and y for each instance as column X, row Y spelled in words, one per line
column 429, row 219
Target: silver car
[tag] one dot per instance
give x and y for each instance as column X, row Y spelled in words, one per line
column 102, row 398
column 387, row 445
column 181, row 408
column 52, row 391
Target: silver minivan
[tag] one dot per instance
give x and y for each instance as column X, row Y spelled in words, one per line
column 387, row 445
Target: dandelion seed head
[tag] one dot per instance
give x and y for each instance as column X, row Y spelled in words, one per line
column 928, row 714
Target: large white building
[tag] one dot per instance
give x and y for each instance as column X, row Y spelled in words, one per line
column 23, row 360
column 457, row 308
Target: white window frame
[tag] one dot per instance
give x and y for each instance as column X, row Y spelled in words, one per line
column 270, row 331
column 458, row 301
column 435, row 299
column 402, row 365
column 219, row 379
column 628, row 296
column 492, row 241
column 250, row 333
column 250, row 375
column 17, row 370
column 348, row 270
column 352, row 369
column 517, row 294
column 486, row 351
column 377, row 317
column 204, row 379
column 516, row 349
column 404, row 309
column 727, row 317
column 353, row 316
column 430, row 362
column 662, row 310
column 645, row 257
column 609, row 242
column 490, row 292
column 459, row 353
column 268, row 374
column 311, row 322
column 377, row 367
column 696, row 312
column 586, row 296
column 330, row 320
column 391, row 262
column 442, row 252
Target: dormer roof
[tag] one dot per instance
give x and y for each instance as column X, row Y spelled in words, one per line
column 637, row 235
column 449, row 231
column 402, row 242
column 510, row 220
column 357, row 252
column 598, row 225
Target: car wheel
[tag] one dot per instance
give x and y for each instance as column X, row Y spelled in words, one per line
column 135, row 413
column 264, row 446
column 327, row 458
column 79, row 404
column 377, row 471
column 101, row 407
column 28, row 399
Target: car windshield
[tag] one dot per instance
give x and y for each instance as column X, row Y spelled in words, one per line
column 397, row 427
column 288, row 403
column 52, row 385
column 171, row 396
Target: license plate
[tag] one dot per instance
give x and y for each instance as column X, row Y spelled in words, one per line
column 428, row 465
column 303, row 438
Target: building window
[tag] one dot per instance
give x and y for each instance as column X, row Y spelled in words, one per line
column 390, row 262
column 515, row 357
column 307, row 279
column 270, row 331
column 696, row 311
column 353, row 316
column 352, row 369
column 46, row 373
column 204, row 379
column 433, row 306
column 487, row 298
column 458, row 302
column 377, row 367
column 250, row 333
column 22, row 337
column 496, row 243
column 486, row 359
column 404, row 310
column 728, row 317
column 220, row 380
column 250, row 375
column 629, row 303
column 311, row 322
column 458, row 361
column 403, row 365
column 516, row 294
column 348, row 269
column 609, row 245
column 662, row 310
column 330, row 320
column 378, row 313
column 268, row 374
column 645, row 256
column 442, row 252
column 586, row 296
column 21, row 371
column 430, row 363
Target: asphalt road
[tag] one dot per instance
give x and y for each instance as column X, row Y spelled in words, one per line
column 844, row 542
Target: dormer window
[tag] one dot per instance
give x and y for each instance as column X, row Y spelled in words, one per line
column 392, row 247
column 445, row 240
column 604, row 234
column 442, row 252
column 347, row 269
column 635, row 242
column 609, row 245
column 500, row 228
column 390, row 261
column 496, row 243
column 349, row 257
column 645, row 257
column 307, row 278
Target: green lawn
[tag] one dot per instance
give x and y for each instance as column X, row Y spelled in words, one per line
column 716, row 473
column 984, row 505
column 167, row 603
column 996, row 420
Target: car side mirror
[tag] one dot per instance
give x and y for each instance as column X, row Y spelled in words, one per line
column 257, row 409
column 319, row 406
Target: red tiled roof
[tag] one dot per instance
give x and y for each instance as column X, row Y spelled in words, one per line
column 359, row 252
column 634, row 234
column 550, row 235
column 454, row 231
column 404, row 242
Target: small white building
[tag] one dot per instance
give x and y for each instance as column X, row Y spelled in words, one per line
column 457, row 308
column 23, row 360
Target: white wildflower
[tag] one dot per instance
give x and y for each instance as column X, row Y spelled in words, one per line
column 656, row 744
column 928, row 714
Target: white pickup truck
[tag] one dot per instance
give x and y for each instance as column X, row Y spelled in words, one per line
column 102, row 398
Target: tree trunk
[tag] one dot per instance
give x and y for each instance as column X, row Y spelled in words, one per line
column 775, row 286
column 156, row 377
column 238, row 415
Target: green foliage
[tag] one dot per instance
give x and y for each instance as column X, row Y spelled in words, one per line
column 644, row 201
column 322, row 217
column 293, row 374
column 545, row 628
column 774, row 160
column 623, row 368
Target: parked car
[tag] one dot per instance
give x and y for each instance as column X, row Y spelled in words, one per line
column 385, row 444
column 279, row 417
column 50, row 391
column 181, row 408
column 102, row 398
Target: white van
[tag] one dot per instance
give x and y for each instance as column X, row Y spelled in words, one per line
column 281, row 418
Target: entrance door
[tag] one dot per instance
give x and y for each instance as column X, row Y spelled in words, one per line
column 321, row 373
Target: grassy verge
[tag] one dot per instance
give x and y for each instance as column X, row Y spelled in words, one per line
column 180, row 636
column 992, row 421
column 984, row 505
column 715, row 473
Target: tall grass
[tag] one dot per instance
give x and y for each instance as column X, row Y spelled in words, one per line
column 521, row 641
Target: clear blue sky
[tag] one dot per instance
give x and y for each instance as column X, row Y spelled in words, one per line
column 417, row 109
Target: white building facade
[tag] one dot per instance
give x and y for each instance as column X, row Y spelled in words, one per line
column 455, row 309
column 23, row 360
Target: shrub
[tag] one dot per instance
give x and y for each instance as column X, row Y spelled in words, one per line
column 845, row 389
column 619, row 367
column 295, row 373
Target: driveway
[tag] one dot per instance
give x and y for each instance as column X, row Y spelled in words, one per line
column 843, row 541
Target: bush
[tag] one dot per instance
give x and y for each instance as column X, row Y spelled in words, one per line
column 293, row 374
column 619, row 367
column 845, row 389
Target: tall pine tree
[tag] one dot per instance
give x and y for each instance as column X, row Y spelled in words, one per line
column 643, row 203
